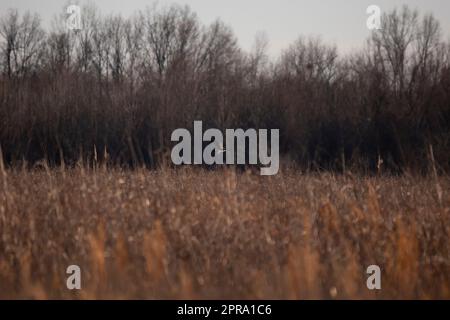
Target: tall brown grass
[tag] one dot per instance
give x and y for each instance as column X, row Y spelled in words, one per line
column 191, row 233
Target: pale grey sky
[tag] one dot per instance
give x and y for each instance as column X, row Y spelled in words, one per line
column 342, row 22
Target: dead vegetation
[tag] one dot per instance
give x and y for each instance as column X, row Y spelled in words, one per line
column 191, row 233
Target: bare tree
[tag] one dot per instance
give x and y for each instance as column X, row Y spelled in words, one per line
column 123, row 84
column 310, row 58
column 393, row 44
column 22, row 42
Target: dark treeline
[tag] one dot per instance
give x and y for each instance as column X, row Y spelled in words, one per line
column 116, row 90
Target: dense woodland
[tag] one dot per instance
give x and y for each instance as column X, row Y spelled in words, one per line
column 114, row 91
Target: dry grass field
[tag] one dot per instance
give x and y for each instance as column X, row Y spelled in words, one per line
column 193, row 233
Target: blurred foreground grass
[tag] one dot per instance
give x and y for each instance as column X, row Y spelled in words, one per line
column 192, row 233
